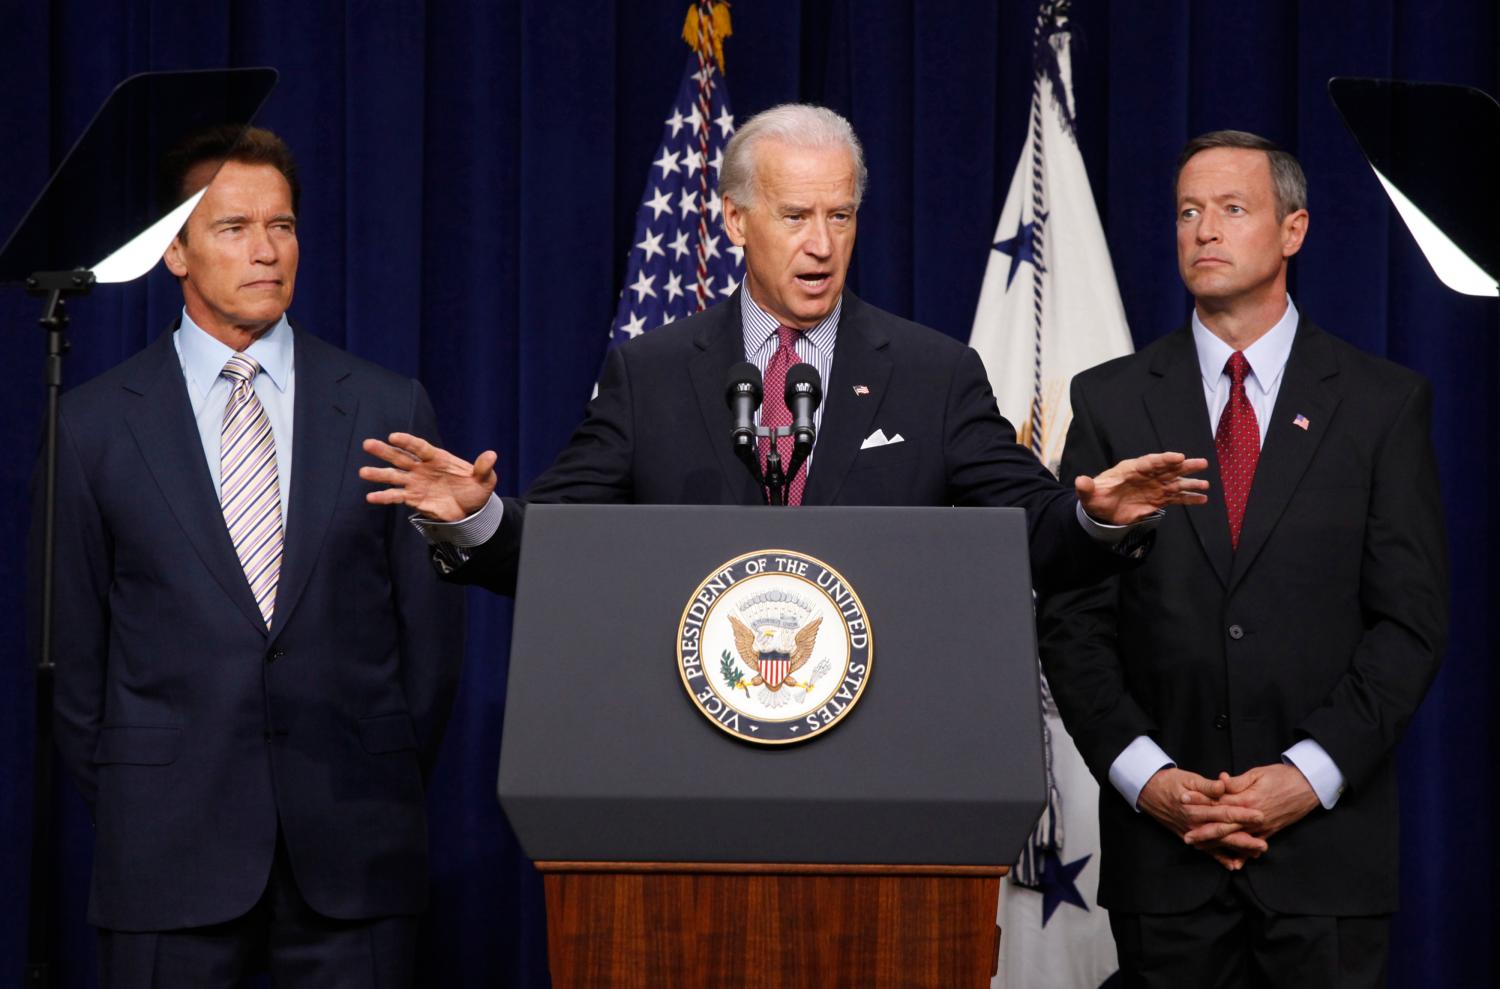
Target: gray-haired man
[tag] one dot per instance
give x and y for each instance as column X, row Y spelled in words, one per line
column 658, row 432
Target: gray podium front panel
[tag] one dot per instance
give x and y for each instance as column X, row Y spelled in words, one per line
column 605, row 757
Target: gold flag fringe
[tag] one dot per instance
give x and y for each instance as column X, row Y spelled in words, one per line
column 719, row 29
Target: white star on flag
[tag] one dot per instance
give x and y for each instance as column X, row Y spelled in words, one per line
column 642, row 288
column 668, row 164
column 652, row 244
column 659, row 204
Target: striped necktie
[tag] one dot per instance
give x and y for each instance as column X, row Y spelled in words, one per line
column 248, row 486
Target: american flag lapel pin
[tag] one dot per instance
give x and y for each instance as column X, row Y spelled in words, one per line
column 865, row 390
column 1301, row 422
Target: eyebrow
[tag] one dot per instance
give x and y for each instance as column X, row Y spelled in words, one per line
column 241, row 219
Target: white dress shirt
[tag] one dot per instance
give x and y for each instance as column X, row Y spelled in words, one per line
column 1143, row 758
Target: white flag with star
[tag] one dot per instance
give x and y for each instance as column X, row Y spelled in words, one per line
column 1049, row 309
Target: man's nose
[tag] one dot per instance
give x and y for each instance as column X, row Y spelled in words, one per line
column 819, row 241
column 1208, row 228
column 262, row 248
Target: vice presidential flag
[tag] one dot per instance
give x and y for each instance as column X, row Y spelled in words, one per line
column 1049, row 309
column 681, row 261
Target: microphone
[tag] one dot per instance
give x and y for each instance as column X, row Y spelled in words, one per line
column 742, row 392
column 804, row 390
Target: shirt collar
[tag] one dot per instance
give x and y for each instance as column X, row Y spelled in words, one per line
column 759, row 325
column 203, row 356
column 1267, row 356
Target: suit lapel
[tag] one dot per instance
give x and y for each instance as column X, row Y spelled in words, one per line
column 323, row 417
column 859, row 358
column 1288, row 448
column 1180, row 416
column 720, row 345
column 172, row 450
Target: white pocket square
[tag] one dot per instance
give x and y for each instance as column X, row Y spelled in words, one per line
column 878, row 438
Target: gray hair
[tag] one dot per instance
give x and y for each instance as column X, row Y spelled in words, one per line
column 801, row 125
column 1287, row 178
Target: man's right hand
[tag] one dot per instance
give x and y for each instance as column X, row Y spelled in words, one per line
column 428, row 479
column 1187, row 804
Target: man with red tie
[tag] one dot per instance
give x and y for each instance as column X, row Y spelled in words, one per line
column 1240, row 694
column 908, row 418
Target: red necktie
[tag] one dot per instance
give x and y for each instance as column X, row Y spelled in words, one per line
column 774, row 412
column 1238, row 443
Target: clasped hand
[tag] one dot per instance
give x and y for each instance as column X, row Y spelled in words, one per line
column 1230, row 818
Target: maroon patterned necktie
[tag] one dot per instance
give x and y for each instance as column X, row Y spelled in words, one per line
column 1238, row 443
column 774, row 411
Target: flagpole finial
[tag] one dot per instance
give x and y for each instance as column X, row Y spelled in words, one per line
column 705, row 32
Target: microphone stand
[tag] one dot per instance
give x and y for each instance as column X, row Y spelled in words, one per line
column 55, row 287
column 773, row 481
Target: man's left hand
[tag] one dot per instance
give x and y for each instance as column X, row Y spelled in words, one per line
column 1280, row 792
column 1133, row 489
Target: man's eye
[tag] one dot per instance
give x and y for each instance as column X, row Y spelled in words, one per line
column 1187, row 214
column 1235, row 209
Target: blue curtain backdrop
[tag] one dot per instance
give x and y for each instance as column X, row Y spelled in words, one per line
column 471, row 172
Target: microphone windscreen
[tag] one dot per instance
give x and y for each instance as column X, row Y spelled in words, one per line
column 803, row 379
column 743, row 378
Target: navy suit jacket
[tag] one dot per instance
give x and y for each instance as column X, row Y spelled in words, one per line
column 1327, row 622
column 194, row 733
column 659, row 433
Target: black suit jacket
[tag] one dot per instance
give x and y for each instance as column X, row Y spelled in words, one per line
column 193, row 733
column 1328, row 622
column 658, row 433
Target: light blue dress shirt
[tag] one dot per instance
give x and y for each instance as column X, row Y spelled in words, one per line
column 203, row 359
column 1143, row 758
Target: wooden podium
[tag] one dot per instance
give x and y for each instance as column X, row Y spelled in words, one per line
column 675, row 854
column 645, row 925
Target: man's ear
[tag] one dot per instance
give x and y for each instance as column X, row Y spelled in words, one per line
column 1293, row 232
column 734, row 222
column 173, row 259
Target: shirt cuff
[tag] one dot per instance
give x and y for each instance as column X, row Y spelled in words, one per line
column 1314, row 762
column 1114, row 534
column 1133, row 768
column 476, row 530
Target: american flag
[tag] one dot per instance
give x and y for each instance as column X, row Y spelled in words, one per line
column 681, row 261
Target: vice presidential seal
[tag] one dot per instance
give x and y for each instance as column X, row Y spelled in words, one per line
column 774, row 647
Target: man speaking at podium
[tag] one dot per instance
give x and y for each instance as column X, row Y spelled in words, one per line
column 254, row 665
column 909, row 417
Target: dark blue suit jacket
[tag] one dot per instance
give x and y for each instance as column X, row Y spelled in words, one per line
column 1328, row 622
column 193, row 733
column 658, row 433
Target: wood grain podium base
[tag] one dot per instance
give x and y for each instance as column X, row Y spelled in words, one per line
column 648, row 925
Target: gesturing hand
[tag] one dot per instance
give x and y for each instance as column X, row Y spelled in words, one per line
column 1133, row 489
column 428, row 479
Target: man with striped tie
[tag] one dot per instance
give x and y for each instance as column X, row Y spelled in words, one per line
column 254, row 665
